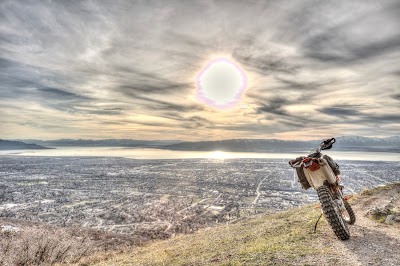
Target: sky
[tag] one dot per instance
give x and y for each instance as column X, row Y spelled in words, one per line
column 130, row 69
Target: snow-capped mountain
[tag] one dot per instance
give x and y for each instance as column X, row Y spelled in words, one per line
column 274, row 145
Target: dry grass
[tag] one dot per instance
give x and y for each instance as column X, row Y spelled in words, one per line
column 34, row 243
column 277, row 239
column 41, row 247
column 377, row 190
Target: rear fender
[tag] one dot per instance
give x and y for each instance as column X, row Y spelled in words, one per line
column 318, row 177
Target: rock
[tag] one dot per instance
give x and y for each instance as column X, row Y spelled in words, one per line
column 389, row 206
column 393, row 218
column 378, row 212
column 389, row 219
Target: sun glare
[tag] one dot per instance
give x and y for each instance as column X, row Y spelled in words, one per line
column 221, row 83
column 219, row 155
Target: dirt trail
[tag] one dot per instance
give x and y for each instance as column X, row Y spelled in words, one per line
column 371, row 242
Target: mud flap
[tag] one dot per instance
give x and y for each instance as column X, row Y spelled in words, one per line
column 302, row 178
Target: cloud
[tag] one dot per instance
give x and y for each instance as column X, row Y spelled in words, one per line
column 371, row 33
column 122, row 69
column 263, row 61
column 359, row 115
column 274, row 106
column 164, row 105
column 340, row 111
column 59, row 93
column 396, row 96
column 163, row 87
column 300, row 85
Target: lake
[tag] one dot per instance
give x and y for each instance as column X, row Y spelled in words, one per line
column 141, row 153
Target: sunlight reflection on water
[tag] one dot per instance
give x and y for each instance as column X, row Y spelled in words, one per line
column 140, row 153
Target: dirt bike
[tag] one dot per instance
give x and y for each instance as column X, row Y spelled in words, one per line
column 322, row 173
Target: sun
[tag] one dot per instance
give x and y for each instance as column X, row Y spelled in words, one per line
column 221, row 83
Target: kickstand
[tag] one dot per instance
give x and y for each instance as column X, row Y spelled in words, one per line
column 316, row 224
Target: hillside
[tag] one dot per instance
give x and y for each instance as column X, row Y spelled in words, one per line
column 19, row 145
column 284, row 238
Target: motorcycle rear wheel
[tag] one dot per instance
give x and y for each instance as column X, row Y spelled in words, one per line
column 350, row 212
column 332, row 213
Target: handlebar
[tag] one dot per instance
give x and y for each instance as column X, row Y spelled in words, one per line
column 329, row 141
column 327, row 144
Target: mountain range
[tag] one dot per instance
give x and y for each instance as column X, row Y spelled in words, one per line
column 19, row 145
column 349, row 143
column 353, row 143
column 101, row 143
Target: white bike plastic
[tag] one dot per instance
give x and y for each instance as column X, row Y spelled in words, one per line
column 317, row 178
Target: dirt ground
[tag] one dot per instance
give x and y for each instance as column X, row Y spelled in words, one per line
column 371, row 242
